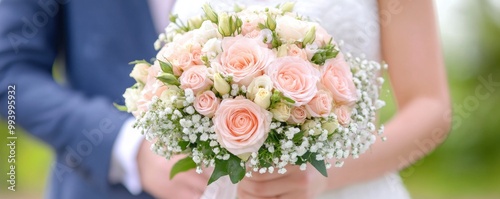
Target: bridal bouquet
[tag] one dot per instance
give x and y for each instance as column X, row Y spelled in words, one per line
column 254, row 90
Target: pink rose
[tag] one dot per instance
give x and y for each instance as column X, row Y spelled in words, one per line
column 243, row 58
column 298, row 115
column 322, row 37
column 248, row 27
column 295, row 78
column 168, row 53
column 196, row 55
column 321, row 104
column 337, row 78
column 152, row 87
column 241, row 125
column 254, row 34
column 142, row 106
column 196, row 78
column 343, row 113
column 294, row 50
column 206, row 103
column 183, row 60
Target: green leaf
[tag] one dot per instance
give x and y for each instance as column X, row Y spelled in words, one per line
column 262, row 26
column 265, row 163
column 289, row 100
column 276, row 41
column 275, row 97
column 235, row 170
column 318, row 164
column 298, row 137
column 183, row 144
column 326, row 52
column 182, row 165
column 219, row 170
column 139, row 62
column 120, row 107
column 168, row 79
column 166, row 67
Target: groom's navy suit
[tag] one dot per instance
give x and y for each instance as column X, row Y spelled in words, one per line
column 94, row 40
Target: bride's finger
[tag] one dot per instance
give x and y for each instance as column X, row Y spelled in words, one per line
column 247, row 195
column 267, row 188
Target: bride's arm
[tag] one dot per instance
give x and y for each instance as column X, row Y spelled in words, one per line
column 411, row 47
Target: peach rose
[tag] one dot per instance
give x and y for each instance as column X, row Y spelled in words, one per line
column 243, row 58
column 166, row 54
column 241, row 125
column 294, row 50
column 153, row 87
column 183, row 60
column 196, row 78
column 196, row 55
column 322, row 36
column 337, row 78
column 321, row 104
column 295, row 78
column 343, row 113
column 206, row 103
column 298, row 115
column 248, row 27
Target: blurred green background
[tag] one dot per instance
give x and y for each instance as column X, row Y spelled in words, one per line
column 467, row 165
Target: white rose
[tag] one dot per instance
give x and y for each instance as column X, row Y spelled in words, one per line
column 310, row 127
column 166, row 96
column 291, row 29
column 281, row 112
column 207, row 30
column 259, row 82
column 330, row 126
column 140, row 72
column 263, row 98
column 212, row 48
column 131, row 96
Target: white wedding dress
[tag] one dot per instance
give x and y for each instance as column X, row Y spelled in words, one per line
column 356, row 23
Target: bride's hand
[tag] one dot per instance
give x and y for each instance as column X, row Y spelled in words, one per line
column 308, row 184
column 155, row 171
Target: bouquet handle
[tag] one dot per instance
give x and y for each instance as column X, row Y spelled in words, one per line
column 223, row 188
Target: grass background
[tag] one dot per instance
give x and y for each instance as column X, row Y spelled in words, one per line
column 467, row 165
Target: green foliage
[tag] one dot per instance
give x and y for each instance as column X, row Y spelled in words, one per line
column 120, row 107
column 324, row 53
column 318, row 164
column 231, row 167
column 166, row 67
column 168, row 78
column 139, row 62
column 182, row 165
